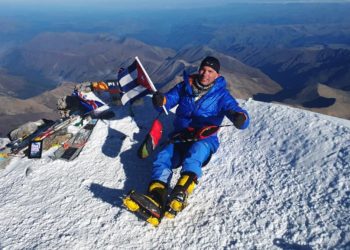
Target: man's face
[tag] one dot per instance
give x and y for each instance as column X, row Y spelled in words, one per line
column 207, row 75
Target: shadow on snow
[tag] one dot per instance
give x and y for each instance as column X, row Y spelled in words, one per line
column 137, row 171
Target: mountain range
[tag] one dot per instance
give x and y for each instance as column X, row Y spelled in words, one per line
column 299, row 68
column 294, row 53
column 76, row 57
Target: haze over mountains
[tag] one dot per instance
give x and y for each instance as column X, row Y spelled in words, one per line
column 297, row 54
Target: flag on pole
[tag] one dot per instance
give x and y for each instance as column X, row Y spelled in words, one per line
column 134, row 82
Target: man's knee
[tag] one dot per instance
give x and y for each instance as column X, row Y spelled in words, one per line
column 196, row 158
column 207, row 160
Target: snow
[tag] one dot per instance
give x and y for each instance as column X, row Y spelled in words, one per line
column 283, row 183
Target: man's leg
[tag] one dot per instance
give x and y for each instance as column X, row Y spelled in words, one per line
column 154, row 200
column 197, row 154
column 167, row 159
column 162, row 173
column 162, row 166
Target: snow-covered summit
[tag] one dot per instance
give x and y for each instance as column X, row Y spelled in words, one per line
column 283, row 183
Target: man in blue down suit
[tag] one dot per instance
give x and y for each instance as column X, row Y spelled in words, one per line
column 202, row 100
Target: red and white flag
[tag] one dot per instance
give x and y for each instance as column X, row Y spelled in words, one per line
column 134, row 82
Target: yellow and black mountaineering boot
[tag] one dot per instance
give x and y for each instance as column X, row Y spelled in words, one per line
column 178, row 197
column 150, row 206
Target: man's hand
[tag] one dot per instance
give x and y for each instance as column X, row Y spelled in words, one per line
column 238, row 118
column 158, row 99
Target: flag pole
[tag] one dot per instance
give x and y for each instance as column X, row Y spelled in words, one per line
column 150, row 81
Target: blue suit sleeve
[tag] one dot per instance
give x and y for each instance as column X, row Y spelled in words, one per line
column 173, row 96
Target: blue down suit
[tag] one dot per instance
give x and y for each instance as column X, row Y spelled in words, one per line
column 210, row 109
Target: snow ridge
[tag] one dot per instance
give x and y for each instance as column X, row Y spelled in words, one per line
column 281, row 184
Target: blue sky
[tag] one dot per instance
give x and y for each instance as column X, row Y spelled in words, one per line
column 11, row 7
column 145, row 3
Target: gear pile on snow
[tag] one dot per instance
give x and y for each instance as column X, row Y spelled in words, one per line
column 88, row 103
column 71, row 149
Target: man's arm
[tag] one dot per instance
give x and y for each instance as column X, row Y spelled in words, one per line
column 169, row 99
column 238, row 116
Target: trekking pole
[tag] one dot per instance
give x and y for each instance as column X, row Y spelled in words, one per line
column 226, row 125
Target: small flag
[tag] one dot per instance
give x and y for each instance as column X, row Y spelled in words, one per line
column 151, row 141
column 88, row 100
column 134, row 82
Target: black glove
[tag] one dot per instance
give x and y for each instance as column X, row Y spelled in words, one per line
column 158, row 99
column 238, row 118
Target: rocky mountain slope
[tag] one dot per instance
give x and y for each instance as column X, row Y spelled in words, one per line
column 14, row 111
